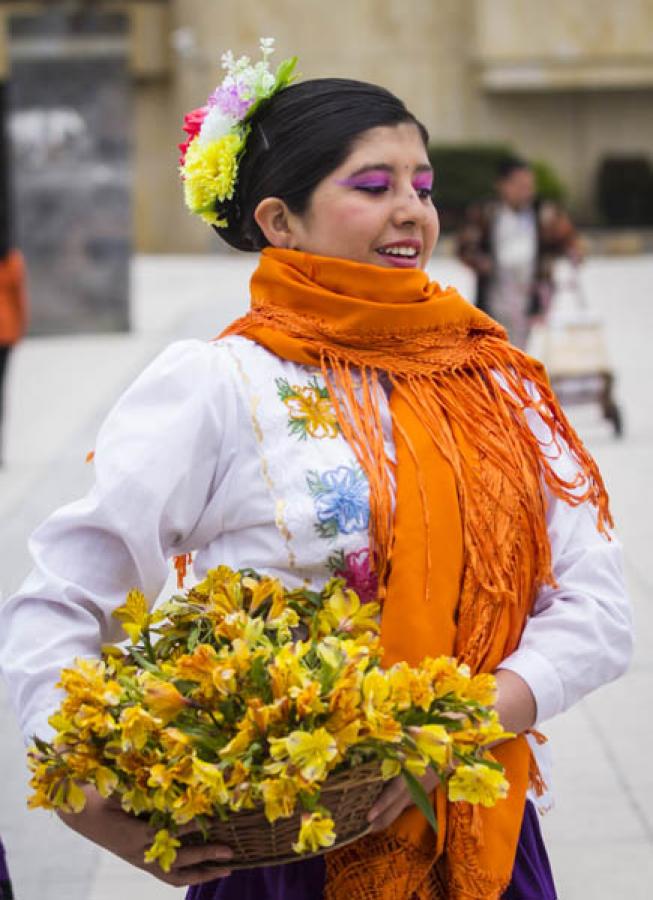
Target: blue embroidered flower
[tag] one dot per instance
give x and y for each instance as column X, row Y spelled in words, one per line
column 341, row 500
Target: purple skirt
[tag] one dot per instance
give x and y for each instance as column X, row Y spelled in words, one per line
column 5, row 885
column 304, row 880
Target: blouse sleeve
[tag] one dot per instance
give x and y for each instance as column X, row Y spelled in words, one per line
column 579, row 634
column 157, row 463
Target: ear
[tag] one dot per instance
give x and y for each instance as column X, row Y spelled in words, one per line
column 274, row 219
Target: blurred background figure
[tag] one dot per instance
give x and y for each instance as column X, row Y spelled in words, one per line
column 6, row 892
column 13, row 314
column 13, row 294
column 511, row 243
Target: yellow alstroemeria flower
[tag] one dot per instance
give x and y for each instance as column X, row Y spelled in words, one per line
column 309, row 752
column 307, row 699
column 211, row 779
column 162, row 698
column 133, row 615
column 199, row 667
column 345, row 613
column 477, row 784
column 163, row 850
column 136, row 726
column 316, row 831
column 263, row 715
column 279, row 796
column 482, row 734
column 482, row 688
column 192, row 803
column 88, row 682
column 434, row 742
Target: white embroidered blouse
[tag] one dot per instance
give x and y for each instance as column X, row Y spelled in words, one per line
column 226, row 451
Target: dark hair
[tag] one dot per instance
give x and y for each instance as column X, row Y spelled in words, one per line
column 510, row 164
column 298, row 137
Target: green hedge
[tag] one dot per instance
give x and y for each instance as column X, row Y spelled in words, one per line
column 624, row 188
column 466, row 173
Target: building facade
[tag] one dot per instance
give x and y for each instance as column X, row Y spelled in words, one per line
column 568, row 82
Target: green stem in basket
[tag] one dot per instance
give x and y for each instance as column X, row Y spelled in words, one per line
column 420, row 798
column 149, row 649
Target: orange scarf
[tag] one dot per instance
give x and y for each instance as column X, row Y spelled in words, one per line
column 460, row 545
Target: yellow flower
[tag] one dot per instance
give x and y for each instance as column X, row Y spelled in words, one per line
column 163, row 850
column 286, row 670
column 133, row 615
column 344, row 612
column 310, row 753
column 477, row 784
column 192, row 803
column 137, row 725
column 481, row 688
column 210, row 174
column 162, row 698
column 316, row 831
column 199, row 667
column 210, row 777
column 279, row 796
column 307, row 699
column 88, row 683
column 446, row 675
column 105, row 780
column 434, row 742
column 390, row 768
column 240, row 743
column 481, row 734
column 263, row 715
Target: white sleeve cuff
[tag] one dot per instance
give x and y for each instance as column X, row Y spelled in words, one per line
column 541, row 677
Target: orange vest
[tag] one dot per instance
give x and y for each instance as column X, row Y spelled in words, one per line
column 13, row 298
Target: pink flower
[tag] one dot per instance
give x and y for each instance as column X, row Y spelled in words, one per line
column 192, row 124
column 359, row 575
column 229, row 100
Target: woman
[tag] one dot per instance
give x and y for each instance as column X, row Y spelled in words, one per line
column 359, row 421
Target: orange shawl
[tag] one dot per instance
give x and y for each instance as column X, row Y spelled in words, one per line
column 460, row 544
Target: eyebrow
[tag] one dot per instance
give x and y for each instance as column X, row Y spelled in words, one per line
column 384, row 167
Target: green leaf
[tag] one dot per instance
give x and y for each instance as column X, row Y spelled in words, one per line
column 284, row 73
column 283, row 388
column 420, row 798
column 143, row 662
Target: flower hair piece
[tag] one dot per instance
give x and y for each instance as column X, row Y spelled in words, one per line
column 217, row 132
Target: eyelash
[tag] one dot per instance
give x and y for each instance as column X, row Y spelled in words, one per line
column 424, row 193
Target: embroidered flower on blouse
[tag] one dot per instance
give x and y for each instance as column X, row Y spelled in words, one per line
column 310, row 412
column 356, row 570
column 341, row 500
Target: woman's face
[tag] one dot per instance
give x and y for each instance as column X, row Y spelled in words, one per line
column 376, row 207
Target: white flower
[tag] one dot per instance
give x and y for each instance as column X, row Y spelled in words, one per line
column 215, row 126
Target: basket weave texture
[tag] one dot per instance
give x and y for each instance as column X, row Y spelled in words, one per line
column 257, row 842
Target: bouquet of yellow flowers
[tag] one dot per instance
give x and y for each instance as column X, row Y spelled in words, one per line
column 242, row 698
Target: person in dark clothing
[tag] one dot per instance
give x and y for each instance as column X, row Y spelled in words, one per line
column 511, row 243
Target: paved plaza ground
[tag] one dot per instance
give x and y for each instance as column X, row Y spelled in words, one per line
column 600, row 834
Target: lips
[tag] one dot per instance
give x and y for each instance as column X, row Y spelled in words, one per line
column 404, row 253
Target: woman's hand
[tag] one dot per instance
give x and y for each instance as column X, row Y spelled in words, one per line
column 105, row 823
column 395, row 799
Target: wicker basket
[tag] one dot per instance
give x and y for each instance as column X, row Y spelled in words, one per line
column 257, row 842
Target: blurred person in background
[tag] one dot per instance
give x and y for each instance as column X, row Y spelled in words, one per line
column 13, row 313
column 511, row 243
column 6, row 892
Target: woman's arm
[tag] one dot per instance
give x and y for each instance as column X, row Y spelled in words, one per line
column 579, row 635
column 155, row 468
